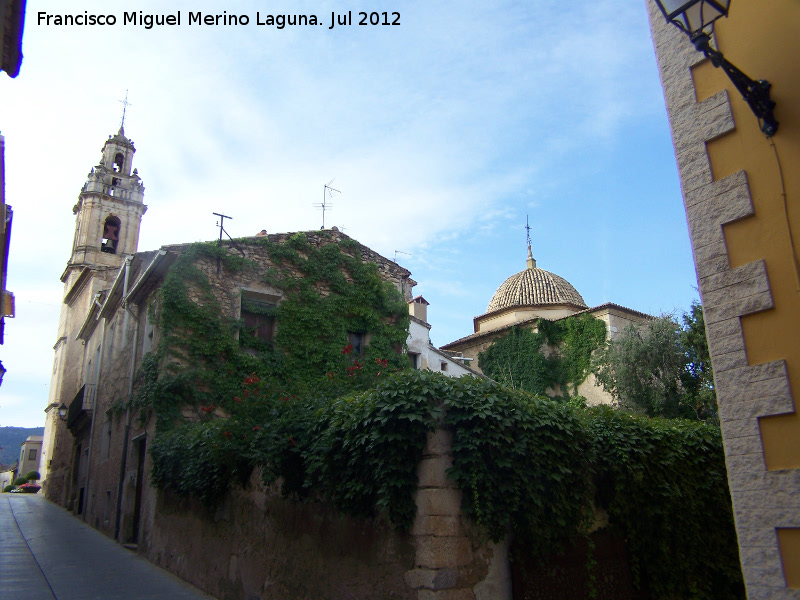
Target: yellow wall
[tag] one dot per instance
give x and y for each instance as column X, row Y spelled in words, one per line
column 766, row 44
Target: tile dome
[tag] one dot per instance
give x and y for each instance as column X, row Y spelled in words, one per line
column 534, row 287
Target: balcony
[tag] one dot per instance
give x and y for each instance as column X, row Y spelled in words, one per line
column 79, row 414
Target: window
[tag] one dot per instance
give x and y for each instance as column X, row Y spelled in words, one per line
column 258, row 319
column 105, row 442
column 111, row 229
column 119, row 161
column 32, row 454
column 414, row 356
column 149, row 332
column 358, row 340
column 444, row 367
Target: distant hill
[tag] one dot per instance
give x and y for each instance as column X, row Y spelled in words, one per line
column 10, row 440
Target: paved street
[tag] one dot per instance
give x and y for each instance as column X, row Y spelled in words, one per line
column 47, row 554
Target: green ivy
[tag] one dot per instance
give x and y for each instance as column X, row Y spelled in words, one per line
column 556, row 354
column 328, row 292
column 350, row 430
column 664, row 484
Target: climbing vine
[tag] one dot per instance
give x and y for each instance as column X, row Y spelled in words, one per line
column 556, row 355
column 326, row 423
column 527, row 464
column 328, row 292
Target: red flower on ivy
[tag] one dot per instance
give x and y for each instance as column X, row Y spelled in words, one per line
column 330, row 374
column 207, row 410
column 252, row 379
column 256, row 428
column 382, row 362
column 291, row 441
column 347, row 349
column 227, row 434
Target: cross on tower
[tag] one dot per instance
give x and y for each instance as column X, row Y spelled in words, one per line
column 125, row 105
column 528, row 229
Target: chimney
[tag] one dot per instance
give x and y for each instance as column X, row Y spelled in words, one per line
column 418, row 308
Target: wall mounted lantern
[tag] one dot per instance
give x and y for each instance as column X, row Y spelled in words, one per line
column 696, row 19
column 63, row 410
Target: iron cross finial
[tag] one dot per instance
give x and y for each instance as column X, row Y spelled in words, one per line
column 125, row 105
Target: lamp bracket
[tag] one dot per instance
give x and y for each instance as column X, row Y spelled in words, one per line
column 755, row 93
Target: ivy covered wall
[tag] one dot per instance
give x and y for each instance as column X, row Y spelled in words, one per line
column 550, row 357
column 325, row 424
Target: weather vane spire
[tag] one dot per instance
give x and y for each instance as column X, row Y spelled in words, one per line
column 125, row 105
column 531, row 261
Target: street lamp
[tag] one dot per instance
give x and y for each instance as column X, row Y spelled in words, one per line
column 62, row 412
column 696, row 19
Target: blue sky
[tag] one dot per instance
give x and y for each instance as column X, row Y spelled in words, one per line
column 442, row 134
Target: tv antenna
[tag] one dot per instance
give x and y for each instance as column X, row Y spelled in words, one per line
column 396, row 252
column 327, row 195
column 221, row 224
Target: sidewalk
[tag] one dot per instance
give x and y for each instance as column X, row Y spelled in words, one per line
column 47, row 554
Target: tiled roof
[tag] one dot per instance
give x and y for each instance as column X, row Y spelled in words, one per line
column 534, row 287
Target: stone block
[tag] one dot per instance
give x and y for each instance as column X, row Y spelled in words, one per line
column 439, row 552
column 432, row 472
column 731, row 304
column 733, row 428
column 716, row 116
column 431, row 579
column 438, row 525
column 438, row 442
column 727, row 328
column 438, row 501
column 729, row 360
column 445, row 595
column 710, row 259
column 750, row 536
column 750, row 444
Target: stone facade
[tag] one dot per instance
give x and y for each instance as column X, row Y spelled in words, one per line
column 256, row 544
column 107, row 219
column 766, row 501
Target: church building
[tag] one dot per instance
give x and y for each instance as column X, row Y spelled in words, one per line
column 95, row 459
column 107, row 219
column 533, row 294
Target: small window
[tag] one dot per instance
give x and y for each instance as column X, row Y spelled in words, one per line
column 358, row 340
column 258, row 319
column 105, row 447
column 119, row 161
column 414, row 357
column 32, row 454
column 444, row 367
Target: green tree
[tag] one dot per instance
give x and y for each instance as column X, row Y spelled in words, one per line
column 661, row 368
column 698, row 376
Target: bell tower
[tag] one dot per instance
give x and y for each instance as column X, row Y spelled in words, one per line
column 109, row 209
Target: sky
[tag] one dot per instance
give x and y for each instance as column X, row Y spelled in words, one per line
column 442, row 133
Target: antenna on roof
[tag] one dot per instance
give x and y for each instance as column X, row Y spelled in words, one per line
column 221, row 225
column 327, row 194
column 396, row 252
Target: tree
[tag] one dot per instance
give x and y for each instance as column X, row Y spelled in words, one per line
column 661, row 368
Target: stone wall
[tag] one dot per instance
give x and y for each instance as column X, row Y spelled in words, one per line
column 259, row 545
